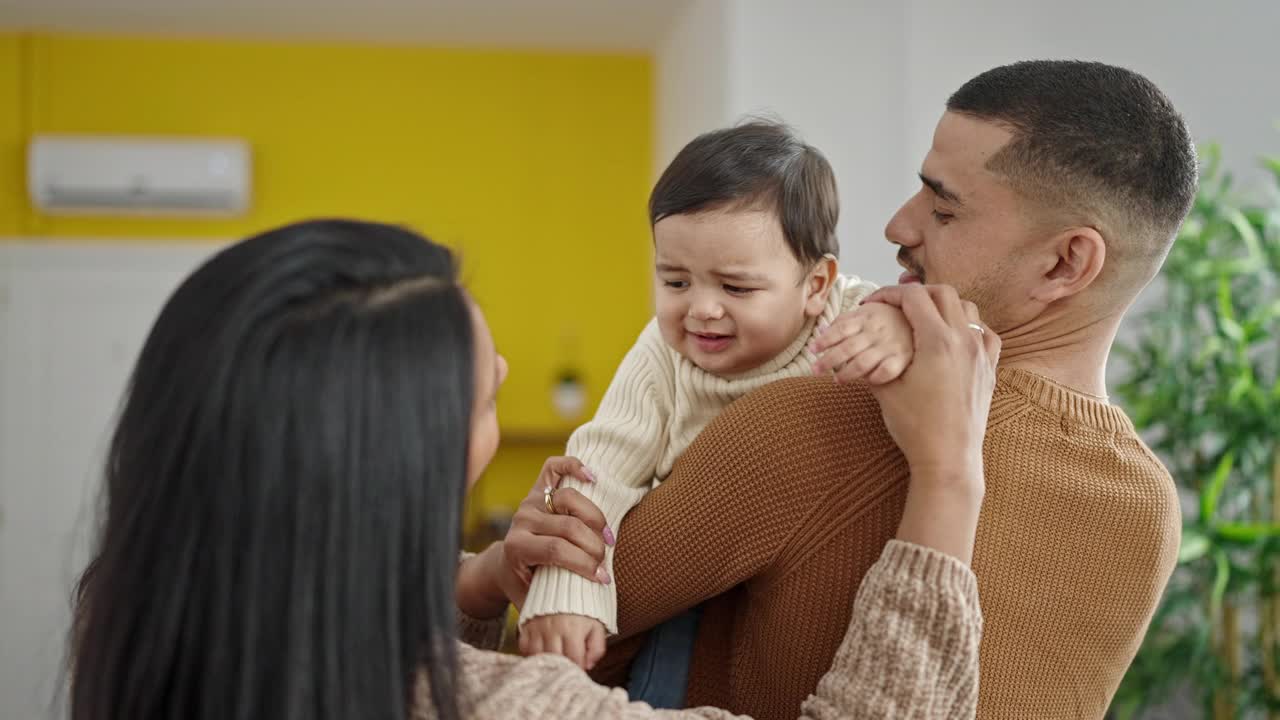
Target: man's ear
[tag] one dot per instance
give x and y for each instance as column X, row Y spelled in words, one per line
column 818, row 284
column 1074, row 259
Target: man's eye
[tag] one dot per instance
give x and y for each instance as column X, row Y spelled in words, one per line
column 941, row 217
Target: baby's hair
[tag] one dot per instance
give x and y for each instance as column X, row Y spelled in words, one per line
column 756, row 164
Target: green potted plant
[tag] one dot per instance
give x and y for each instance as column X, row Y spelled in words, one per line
column 1201, row 383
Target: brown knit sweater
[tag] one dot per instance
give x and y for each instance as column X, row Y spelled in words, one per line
column 910, row 651
column 777, row 510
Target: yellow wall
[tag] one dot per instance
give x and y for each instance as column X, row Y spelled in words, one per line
column 12, row 202
column 535, row 165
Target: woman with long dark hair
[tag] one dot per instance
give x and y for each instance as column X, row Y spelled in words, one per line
column 284, row 493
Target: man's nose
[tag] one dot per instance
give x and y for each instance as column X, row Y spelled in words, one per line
column 903, row 228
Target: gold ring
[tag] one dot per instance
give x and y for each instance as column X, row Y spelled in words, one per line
column 548, row 500
column 981, row 330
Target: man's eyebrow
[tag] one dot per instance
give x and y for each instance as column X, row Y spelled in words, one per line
column 939, row 189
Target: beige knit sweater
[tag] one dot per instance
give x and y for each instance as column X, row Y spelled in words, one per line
column 910, row 651
column 655, row 406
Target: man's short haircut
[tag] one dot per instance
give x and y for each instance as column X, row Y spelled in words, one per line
column 1094, row 143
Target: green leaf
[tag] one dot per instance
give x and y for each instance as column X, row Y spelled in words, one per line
column 1232, row 329
column 1246, row 532
column 1225, row 309
column 1247, row 232
column 1213, row 491
column 1261, row 317
column 1212, row 346
column 1211, row 158
column 1272, row 164
column 1203, row 385
column 1221, row 576
column 1239, row 388
column 1126, row 707
column 1195, row 544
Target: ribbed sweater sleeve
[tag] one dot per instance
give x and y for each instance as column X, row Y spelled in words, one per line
column 621, row 445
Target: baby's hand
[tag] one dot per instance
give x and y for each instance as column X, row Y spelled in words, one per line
column 577, row 637
column 872, row 342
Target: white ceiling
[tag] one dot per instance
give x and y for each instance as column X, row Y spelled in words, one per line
column 620, row 25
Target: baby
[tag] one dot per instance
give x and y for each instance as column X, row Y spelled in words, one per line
column 747, row 292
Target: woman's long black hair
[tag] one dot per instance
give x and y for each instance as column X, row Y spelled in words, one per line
column 284, row 489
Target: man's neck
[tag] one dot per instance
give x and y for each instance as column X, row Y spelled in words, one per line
column 1069, row 351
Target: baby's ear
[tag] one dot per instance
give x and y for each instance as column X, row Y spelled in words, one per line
column 818, row 284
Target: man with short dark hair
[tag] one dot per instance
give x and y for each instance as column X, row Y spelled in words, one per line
column 1051, row 194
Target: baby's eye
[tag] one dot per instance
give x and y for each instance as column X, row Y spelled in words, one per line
column 735, row 290
column 676, row 284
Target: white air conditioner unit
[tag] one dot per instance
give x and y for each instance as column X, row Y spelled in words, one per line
column 76, row 174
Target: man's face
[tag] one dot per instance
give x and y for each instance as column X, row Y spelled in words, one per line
column 966, row 227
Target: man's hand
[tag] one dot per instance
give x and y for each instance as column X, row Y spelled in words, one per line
column 937, row 413
column 577, row 637
column 937, row 410
column 872, row 342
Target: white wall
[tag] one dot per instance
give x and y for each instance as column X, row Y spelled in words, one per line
column 72, row 319
column 1216, row 61
column 866, row 81
column 821, row 66
column 691, row 77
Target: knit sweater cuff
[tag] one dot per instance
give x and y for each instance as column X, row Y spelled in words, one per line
column 907, row 560
column 912, row 644
column 556, row 591
column 483, row 634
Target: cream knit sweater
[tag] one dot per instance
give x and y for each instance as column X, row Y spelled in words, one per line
column 910, row 651
column 655, row 406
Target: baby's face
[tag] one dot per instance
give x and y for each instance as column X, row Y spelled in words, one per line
column 730, row 294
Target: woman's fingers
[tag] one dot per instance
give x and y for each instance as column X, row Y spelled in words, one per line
column 538, row 550
column 571, row 529
column 558, row 467
column 571, row 503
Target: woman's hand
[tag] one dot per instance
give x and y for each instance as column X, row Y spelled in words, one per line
column 937, row 413
column 573, row 538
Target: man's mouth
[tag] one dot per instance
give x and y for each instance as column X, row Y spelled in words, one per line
column 914, row 273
